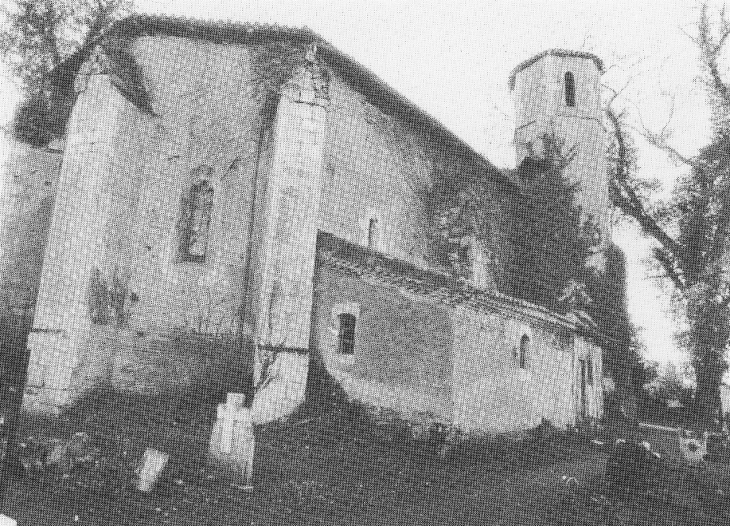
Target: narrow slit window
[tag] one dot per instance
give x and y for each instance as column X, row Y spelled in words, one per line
column 569, row 89
column 373, row 234
column 524, row 350
column 589, row 371
column 347, row 334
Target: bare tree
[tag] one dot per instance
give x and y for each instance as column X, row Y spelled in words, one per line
column 36, row 37
column 692, row 228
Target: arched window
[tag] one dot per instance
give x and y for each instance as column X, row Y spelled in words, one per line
column 569, row 89
column 197, row 208
column 346, row 343
column 524, row 350
column 373, row 234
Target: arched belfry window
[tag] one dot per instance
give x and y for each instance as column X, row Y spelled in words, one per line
column 524, row 350
column 197, row 209
column 569, row 89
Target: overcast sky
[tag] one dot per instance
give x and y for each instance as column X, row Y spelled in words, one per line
column 453, row 58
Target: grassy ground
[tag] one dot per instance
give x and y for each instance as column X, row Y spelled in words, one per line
column 339, row 467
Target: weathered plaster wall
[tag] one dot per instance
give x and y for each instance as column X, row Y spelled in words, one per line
column 29, row 179
column 492, row 393
column 208, row 115
column 402, row 359
column 376, row 167
column 457, row 364
column 127, row 224
column 369, row 174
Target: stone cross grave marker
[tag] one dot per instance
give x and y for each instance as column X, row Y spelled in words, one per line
column 232, row 439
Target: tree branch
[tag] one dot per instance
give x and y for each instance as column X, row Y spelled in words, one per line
column 626, row 198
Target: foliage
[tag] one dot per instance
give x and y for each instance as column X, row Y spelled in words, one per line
column 550, row 242
column 691, row 229
column 535, row 244
column 109, row 301
column 608, row 309
column 36, row 38
column 273, row 64
column 460, row 213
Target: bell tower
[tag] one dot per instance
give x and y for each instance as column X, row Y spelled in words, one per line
column 558, row 92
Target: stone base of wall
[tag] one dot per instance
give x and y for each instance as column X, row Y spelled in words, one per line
column 285, row 392
column 126, row 360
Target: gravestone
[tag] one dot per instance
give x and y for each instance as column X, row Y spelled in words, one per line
column 232, row 440
column 152, row 464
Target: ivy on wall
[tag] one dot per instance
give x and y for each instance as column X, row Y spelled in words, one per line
column 534, row 238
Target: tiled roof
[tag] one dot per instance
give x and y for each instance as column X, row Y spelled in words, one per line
column 129, row 80
column 555, row 53
column 360, row 261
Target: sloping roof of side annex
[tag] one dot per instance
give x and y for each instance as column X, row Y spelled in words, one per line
column 128, row 79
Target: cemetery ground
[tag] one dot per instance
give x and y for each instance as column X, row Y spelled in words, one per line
column 336, row 464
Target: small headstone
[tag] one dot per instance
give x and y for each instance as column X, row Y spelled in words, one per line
column 232, row 439
column 7, row 521
column 153, row 462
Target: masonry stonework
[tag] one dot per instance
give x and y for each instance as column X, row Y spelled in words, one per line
column 430, row 354
column 539, row 91
column 402, row 359
column 30, row 179
column 331, row 151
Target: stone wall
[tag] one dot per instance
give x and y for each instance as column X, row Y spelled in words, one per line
column 402, row 358
column 492, row 392
column 377, row 167
column 125, row 174
column 207, row 117
column 424, row 352
column 29, row 181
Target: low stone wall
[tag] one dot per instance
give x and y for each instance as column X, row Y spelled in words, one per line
column 153, row 363
column 127, row 360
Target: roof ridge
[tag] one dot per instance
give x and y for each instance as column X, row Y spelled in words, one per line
column 342, row 253
column 331, row 51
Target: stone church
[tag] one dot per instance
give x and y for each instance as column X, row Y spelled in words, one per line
column 221, row 182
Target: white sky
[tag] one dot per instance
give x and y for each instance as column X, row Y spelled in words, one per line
column 452, row 58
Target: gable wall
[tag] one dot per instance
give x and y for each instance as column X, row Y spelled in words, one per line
column 207, row 116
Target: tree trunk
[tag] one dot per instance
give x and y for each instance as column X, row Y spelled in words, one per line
column 707, row 410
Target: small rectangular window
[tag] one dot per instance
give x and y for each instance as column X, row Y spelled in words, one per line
column 346, row 334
